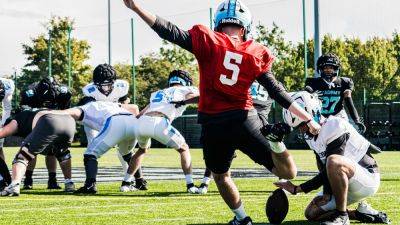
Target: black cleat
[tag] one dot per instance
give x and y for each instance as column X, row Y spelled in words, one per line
column 53, row 185
column 87, row 189
column 246, row 221
column 337, row 220
column 141, row 184
column 28, row 184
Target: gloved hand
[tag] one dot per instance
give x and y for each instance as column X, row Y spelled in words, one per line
column 276, row 132
column 178, row 103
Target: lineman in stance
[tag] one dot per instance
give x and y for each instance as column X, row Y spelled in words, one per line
column 155, row 122
column 116, row 125
column 45, row 94
column 347, row 169
column 41, row 132
column 106, row 87
column 6, row 93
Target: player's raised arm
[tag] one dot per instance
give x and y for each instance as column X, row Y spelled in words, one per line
column 165, row 29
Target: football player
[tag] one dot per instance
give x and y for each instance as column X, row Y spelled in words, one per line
column 262, row 103
column 347, row 167
column 7, row 88
column 334, row 90
column 46, row 93
column 116, row 124
column 155, row 122
column 41, row 132
column 106, row 87
column 229, row 62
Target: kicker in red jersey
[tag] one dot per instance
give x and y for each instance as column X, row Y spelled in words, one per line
column 227, row 69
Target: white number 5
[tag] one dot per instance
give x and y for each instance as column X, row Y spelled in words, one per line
column 231, row 66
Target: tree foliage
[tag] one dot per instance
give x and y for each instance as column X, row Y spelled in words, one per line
column 37, row 54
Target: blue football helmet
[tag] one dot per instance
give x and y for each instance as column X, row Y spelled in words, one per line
column 233, row 12
column 179, row 77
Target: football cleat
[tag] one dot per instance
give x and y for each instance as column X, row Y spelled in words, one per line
column 69, row 187
column 53, row 185
column 191, row 189
column 337, row 220
column 127, row 187
column 203, row 189
column 11, row 190
column 87, row 189
column 246, row 221
column 28, row 184
column 366, row 214
column 141, row 184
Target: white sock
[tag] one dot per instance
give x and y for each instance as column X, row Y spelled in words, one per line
column 66, row 181
column 189, row 179
column 14, row 183
column 239, row 212
column 277, row 147
column 206, row 180
column 128, row 177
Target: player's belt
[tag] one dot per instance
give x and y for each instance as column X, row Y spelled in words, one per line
column 157, row 114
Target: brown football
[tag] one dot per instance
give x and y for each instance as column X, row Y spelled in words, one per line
column 277, row 206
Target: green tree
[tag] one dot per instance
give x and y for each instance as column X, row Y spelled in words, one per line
column 37, row 56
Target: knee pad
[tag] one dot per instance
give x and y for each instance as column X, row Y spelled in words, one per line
column 63, row 156
column 87, row 158
column 22, row 157
column 127, row 157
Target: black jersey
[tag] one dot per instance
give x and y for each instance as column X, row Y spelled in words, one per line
column 261, row 100
column 25, row 120
column 331, row 94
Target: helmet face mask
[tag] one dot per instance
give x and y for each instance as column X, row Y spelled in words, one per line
column 311, row 104
column 325, row 62
column 104, row 77
column 233, row 13
column 46, row 92
column 179, row 77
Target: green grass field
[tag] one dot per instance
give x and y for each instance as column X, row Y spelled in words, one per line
column 167, row 203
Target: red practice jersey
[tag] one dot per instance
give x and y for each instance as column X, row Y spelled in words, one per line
column 227, row 69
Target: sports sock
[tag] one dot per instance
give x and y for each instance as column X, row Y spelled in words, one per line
column 4, row 172
column 52, row 176
column 128, row 177
column 68, row 181
column 189, row 179
column 239, row 212
column 206, row 180
column 138, row 173
column 28, row 174
column 90, row 169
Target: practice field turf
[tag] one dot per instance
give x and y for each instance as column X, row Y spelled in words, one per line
column 167, row 203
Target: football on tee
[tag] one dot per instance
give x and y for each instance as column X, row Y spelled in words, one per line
column 277, row 206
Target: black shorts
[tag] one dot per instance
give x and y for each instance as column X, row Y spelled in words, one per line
column 220, row 140
column 52, row 134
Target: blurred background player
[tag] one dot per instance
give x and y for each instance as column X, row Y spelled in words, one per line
column 6, row 93
column 334, row 90
column 155, row 122
column 346, row 165
column 41, row 133
column 45, row 94
column 106, row 87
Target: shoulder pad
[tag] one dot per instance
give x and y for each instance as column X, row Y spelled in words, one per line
column 91, row 89
column 30, row 93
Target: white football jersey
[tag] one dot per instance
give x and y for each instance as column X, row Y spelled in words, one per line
column 9, row 88
column 334, row 127
column 97, row 113
column 121, row 88
column 160, row 101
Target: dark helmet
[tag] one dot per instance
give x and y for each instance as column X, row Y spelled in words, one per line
column 104, row 77
column 179, row 77
column 46, row 92
column 328, row 59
